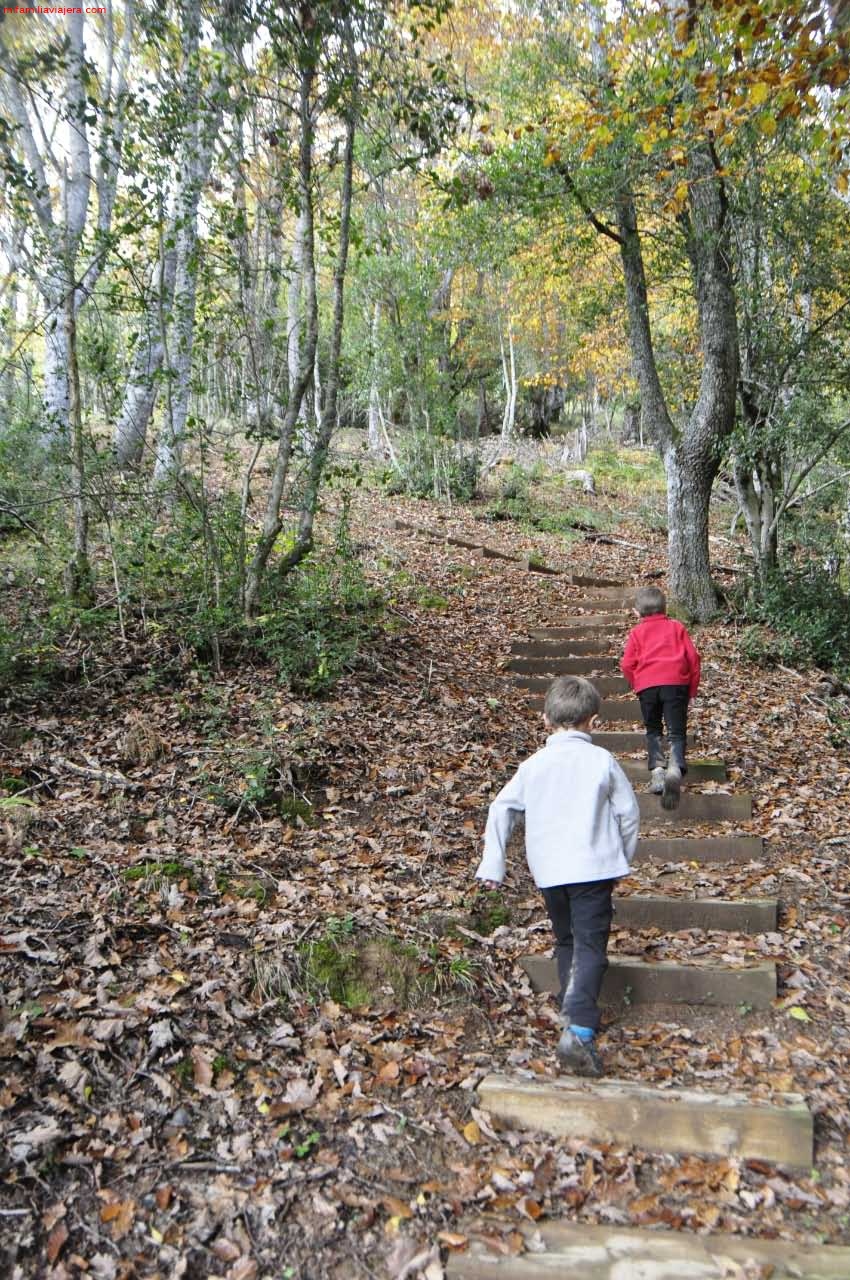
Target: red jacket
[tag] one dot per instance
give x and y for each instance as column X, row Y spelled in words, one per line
column 660, row 651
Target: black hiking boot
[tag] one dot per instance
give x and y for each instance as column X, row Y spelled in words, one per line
column 579, row 1057
column 656, row 780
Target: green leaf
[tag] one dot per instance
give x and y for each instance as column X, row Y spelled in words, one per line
column 798, row 1012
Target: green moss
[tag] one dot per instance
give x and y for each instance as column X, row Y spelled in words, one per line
column 430, row 600
column 292, row 807
column 254, row 889
column 365, row 971
column 184, row 1070
column 170, row 870
column 488, row 911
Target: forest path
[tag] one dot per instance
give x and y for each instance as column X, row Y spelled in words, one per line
column 588, row 639
column 182, row 1080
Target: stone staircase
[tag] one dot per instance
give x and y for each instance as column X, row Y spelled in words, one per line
column 625, row 1112
column 579, row 1251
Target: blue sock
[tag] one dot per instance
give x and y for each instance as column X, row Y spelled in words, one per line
column 585, row 1034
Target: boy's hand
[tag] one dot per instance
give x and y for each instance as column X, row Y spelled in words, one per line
column 490, row 884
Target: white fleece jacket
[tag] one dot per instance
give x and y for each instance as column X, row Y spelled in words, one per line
column 581, row 815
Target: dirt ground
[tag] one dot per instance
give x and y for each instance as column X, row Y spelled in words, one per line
column 177, row 1098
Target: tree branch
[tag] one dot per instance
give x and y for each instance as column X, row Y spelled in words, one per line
column 596, row 222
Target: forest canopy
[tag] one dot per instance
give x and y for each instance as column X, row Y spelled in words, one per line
column 234, row 235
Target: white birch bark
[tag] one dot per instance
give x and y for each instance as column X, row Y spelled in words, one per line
column 509, row 375
column 143, row 380
column 193, row 167
column 310, row 404
column 374, row 433
column 59, row 190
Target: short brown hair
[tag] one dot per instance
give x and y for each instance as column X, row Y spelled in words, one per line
column 650, row 600
column 571, row 700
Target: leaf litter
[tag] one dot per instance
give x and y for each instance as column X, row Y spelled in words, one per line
column 192, row 1086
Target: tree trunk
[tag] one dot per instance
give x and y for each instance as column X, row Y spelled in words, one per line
column 692, row 453
column 304, row 539
column 759, row 499
column 295, row 319
column 272, row 523
column 483, row 418
column 374, row 434
column 689, row 482
column 57, row 354
column 79, row 580
column 509, row 375
column 142, row 387
column 196, row 160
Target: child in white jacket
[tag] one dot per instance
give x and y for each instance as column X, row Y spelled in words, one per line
column 581, row 831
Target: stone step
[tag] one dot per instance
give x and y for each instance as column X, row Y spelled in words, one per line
column 614, row 710
column 741, row 915
column 588, row 1252
column 700, row 849
column 584, row 666
column 493, row 553
column 560, row 651
column 605, row 684
column 533, row 565
column 669, row 982
column 623, row 592
column 560, row 658
column 623, row 739
column 698, row 770
column 465, row 543
column 674, row 1120
column 571, row 625
column 695, row 806
column 587, row 580
column 422, row 531
column 602, row 601
column 557, row 666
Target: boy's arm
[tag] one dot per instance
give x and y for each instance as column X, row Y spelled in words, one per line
column 625, row 806
column 695, row 665
column 630, row 658
column 500, row 823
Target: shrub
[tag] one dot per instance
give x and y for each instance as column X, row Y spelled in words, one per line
column 319, row 620
column 807, row 617
column 514, row 484
column 429, row 468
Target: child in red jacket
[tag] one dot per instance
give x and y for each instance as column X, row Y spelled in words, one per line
column 663, row 667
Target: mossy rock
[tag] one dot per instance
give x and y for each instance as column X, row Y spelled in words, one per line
column 488, row 912
column 377, row 971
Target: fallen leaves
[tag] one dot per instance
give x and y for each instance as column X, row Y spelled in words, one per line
column 260, row 1126
column 119, row 1214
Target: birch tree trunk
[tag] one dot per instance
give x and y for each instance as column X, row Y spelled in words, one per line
column 294, row 314
column 304, row 538
column 194, row 165
column 509, row 375
column 79, row 579
column 272, row 523
column 142, row 388
column 374, row 434
column 59, row 186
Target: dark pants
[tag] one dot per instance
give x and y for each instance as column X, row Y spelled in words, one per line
column 660, row 705
column 581, row 921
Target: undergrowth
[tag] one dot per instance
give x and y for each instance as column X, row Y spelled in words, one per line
column 798, row 617
column 172, row 593
column 357, row 968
